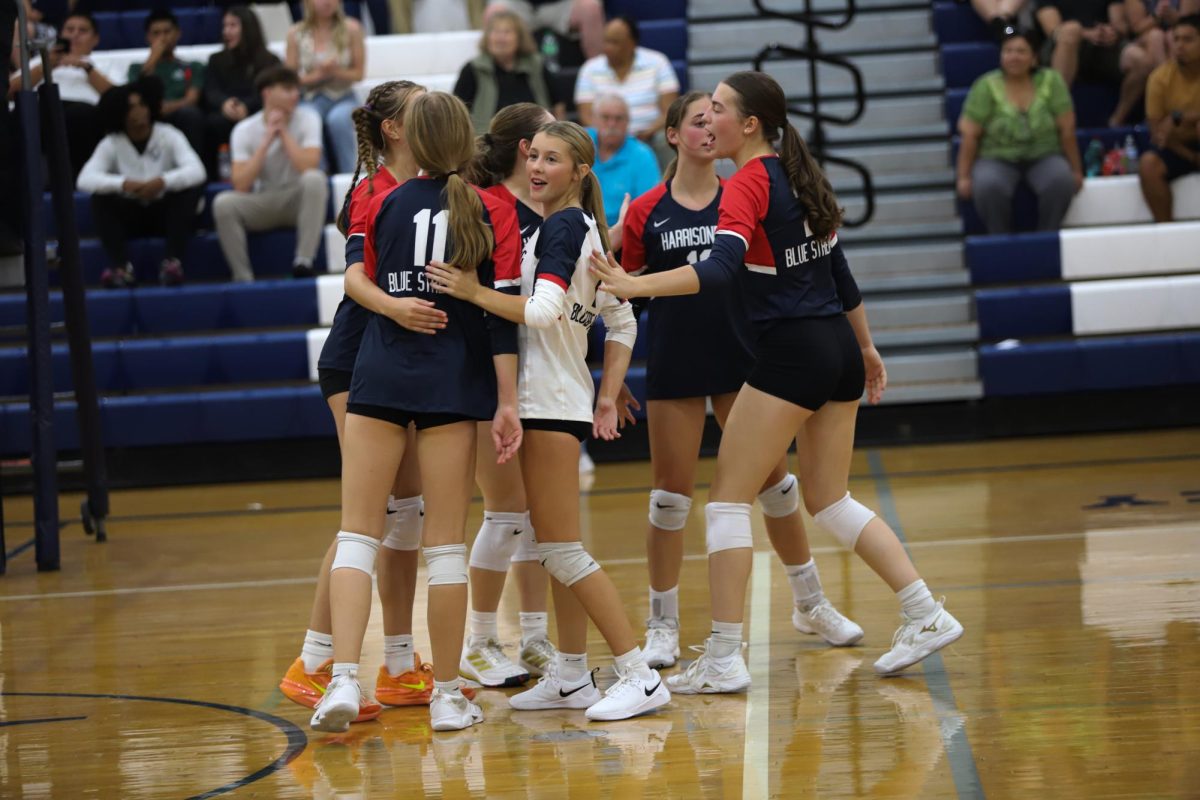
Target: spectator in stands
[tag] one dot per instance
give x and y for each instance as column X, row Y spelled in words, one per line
column 645, row 78
column 1000, row 15
column 276, row 180
column 326, row 49
column 1173, row 112
column 508, row 70
column 80, row 84
column 1082, row 41
column 145, row 180
column 183, row 81
column 564, row 17
column 229, row 92
column 625, row 166
column 1018, row 124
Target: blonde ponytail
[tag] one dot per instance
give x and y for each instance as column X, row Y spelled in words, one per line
column 592, row 201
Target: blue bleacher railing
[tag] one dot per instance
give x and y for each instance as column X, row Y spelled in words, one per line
column 810, row 52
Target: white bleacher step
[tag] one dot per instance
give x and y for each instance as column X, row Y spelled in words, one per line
column 955, row 307
column 886, row 114
column 942, row 391
column 862, row 135
column 932, row 365
column 894, row 159
column 888, row 72
column 744, row 39
column 922, row 335
column 932, row 206
column 902, row 259
column 699, row 10
column 931, row 281
column 1118, row 201
column 1130, row 250
column 848, row 182
column 876, row 233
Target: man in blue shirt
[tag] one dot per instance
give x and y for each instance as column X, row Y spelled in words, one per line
column 624, row 165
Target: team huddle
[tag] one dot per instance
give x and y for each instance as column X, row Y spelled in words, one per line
column 458, row 357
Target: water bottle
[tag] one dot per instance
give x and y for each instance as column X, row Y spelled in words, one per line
column 1093, row 158
column 550, row 51
column 1131, row 155
column 224, row 164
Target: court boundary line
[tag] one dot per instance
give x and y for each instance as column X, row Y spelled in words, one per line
column 297, row 741
column 756, row 748
column 622, row 490
column 623, row 562
column 963, row 768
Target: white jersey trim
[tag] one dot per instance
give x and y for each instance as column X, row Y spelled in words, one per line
column 734, row 233
column 765, row 270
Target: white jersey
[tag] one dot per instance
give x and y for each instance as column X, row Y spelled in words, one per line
column 555, row 382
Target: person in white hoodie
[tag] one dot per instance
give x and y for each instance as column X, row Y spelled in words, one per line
column 145, row 180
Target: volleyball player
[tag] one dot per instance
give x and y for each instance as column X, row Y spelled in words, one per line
column 558, row 305
column 403, row 679
column 779, row 219
column 700, row 348
column 443, row 384
column 506, row 535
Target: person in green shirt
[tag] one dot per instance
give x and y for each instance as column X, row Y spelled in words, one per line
column 182, row 81
column 1018, row 123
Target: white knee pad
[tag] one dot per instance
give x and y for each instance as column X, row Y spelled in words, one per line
column 845, row 519
column 404, row 523
column 355, row 551
column 727, row 526
column 527, row 543
column 567, row 562
column 497, row 540
column 669, row 511
column 447, row 564
column 782, row 499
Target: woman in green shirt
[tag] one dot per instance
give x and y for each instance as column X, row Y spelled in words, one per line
column 1018, row 124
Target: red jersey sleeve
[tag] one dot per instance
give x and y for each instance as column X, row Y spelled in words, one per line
column 744, row 202
column 506, row 230
column 633, row 248
column 369, row 257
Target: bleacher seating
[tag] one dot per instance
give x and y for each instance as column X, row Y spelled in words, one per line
column 214, row 361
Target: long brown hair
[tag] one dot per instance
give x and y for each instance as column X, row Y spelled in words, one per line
column 496, row 151
column 442, row 141
column 675, row 120
column 386, row 101
column 760, row 96
column 582, row 151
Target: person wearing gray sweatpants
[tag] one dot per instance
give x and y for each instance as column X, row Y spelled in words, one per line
column 276, row 183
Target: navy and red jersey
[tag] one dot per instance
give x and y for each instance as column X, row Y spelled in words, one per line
column 790, row 274
column 527, row 218
column 700, row 344
column 341, row 345
column 450, row 372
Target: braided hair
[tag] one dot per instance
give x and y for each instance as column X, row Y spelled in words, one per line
column 386, row 101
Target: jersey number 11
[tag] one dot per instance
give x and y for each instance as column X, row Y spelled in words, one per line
column 421, row 240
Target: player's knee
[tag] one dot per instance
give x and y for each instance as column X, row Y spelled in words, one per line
column 446, row 564
column 668, row 510
column 845, row 519
column 727, row 526
column 527, row 543
column 567, row 562
column 404, row 523
column 497, row 540
column 355, row 551
column 782, row 499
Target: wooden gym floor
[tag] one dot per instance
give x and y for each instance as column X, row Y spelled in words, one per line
column 147, row 667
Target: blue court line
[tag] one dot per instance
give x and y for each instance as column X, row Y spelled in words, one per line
column 21, row 548
column 12, row 722
column 958, row 747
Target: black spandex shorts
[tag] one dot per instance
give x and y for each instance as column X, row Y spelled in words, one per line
column 333, row 381
column 580, row 430
column 422, row 419
column 809, row 362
